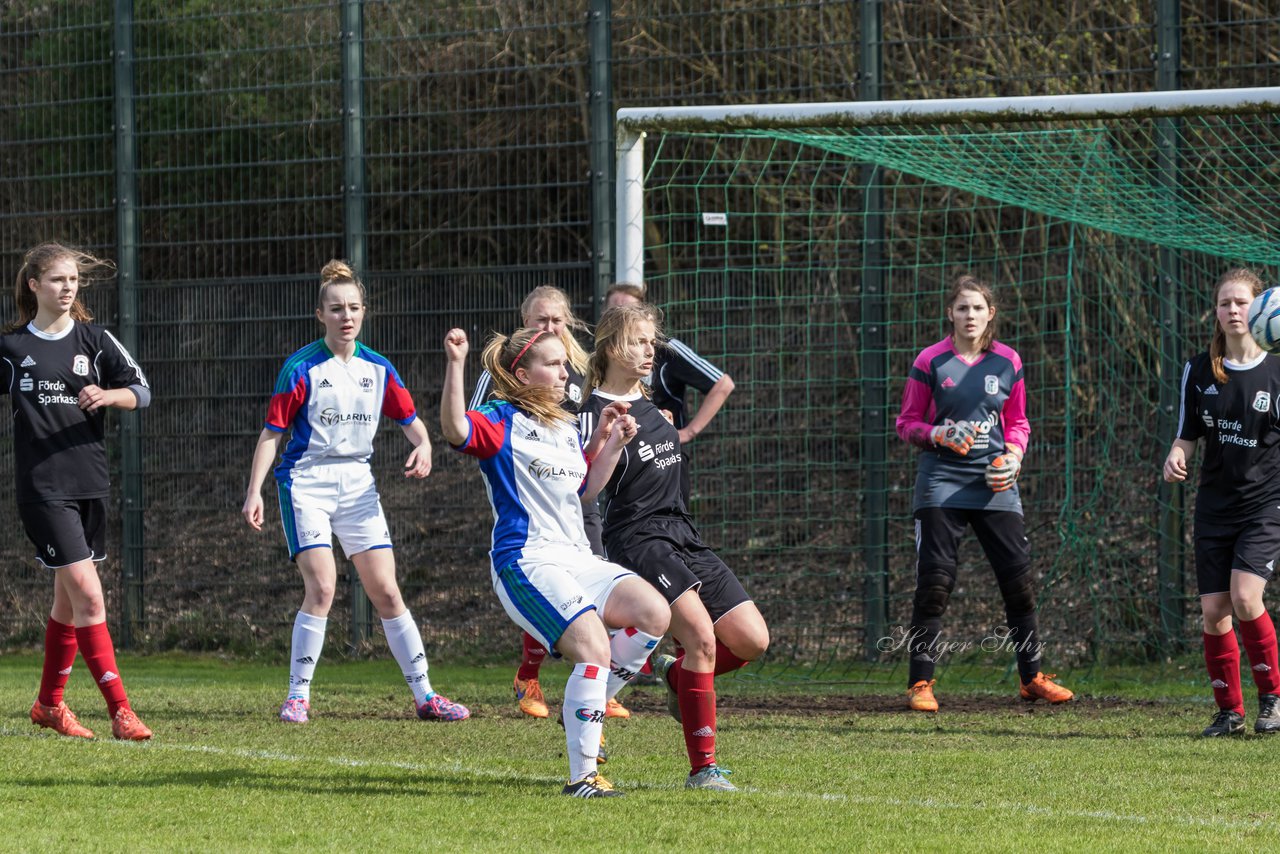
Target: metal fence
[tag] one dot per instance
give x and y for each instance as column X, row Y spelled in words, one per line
column 459, row 154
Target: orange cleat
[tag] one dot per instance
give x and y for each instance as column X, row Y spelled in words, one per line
column 529, row 693
column 127, row 727
column 920, row 697
column 60, row 719
column 1041, row 688
column 616, row 710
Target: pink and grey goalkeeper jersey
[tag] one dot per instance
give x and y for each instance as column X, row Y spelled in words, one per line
column 533, row 474
column 943, row 388
column 333, row 407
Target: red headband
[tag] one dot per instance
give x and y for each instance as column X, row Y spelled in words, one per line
column 520, row 355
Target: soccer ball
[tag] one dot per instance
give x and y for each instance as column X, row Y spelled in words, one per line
column 1264, row 319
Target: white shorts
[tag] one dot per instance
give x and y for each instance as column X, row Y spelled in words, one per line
column 323, row 500
column 552, row 585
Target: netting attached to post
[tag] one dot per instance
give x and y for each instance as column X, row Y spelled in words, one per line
column 754, row 246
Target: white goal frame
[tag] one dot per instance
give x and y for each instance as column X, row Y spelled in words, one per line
column 633, row 123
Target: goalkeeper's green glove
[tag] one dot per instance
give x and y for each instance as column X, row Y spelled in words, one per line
column 956, row 437
column 1002, row 472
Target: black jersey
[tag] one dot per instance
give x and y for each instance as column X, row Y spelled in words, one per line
column 574, row 389
column 675, row 368
column 1240, row 423
column 646, row 481
column 59, row 447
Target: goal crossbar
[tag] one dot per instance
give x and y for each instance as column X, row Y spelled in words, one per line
column 634, row 122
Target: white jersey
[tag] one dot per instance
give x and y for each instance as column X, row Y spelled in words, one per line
column 332, row 407
column 533, row 474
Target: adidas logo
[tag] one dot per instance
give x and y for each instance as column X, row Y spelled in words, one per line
column 1213, row 389
column 532, row 436
column 1217, row 683
column 306, row 659
column 28, row 363
column 705, row 732
column 108, row 677
column 422, row 656
column 325, row 384
column 948, row 383
column 66, row 672
column 1262, row 668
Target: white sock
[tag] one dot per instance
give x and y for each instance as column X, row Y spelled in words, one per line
column 406, row 645
column 583, row 715
column 627, row 652
column 308, row 641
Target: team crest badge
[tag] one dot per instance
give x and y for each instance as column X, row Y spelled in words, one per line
column 575, row 393
column 1262, row 401
column 991, row 384
column 80, row 366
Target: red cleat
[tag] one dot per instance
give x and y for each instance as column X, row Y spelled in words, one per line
column 126, row 726
column 60, row 719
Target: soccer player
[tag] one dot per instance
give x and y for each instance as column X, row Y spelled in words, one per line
column 964, row 406
column 1231, row 399
column 63, row 373
column 329, row 397
column 550, row 584
column 647, row 528
column 547, row 308
column 676, row 367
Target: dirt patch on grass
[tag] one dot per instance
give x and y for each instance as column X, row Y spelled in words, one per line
column 645, row 700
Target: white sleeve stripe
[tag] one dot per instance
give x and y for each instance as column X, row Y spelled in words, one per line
column 481, row 392
column 708, row 370
column 1182, row 399
column 142, row 379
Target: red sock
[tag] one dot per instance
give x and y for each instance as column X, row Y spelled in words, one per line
column 59, row 654
column 531, row 662
column 100, row 657
column 726, row 661
column 1222, row 658
column 697, row 695
column 1260, row 645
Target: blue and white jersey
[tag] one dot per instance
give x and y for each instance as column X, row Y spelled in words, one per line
column 332, row 407
column 533, row 474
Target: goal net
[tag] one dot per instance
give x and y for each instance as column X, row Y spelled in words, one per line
column 806, row 250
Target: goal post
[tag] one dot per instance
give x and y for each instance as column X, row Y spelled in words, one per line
column 749, row 226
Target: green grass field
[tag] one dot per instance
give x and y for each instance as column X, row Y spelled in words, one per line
column 827, row 768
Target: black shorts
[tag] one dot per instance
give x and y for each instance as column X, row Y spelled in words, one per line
column 1249, row 546
column 1002, row 534
column 66, row 532
column 669, row 554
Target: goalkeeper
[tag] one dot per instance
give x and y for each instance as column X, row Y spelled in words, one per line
column 965, row 406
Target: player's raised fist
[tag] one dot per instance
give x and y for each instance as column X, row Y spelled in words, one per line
column 456, row 345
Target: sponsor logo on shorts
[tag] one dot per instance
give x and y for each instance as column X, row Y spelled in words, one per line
column 51, row 550
column 308, row 535
column 569, row 603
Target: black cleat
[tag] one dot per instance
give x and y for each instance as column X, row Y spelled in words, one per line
column 1268, row 714
column 1225, row 722
column 591, row 786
